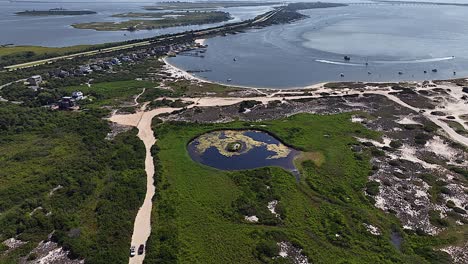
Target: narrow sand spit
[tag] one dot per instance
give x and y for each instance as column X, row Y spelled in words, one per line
column 179, row 73
column 142, row 120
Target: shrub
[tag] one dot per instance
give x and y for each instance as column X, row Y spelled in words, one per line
column 247, row 104
column 396, row 144
column 372, row 188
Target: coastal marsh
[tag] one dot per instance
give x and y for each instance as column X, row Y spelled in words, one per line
column 158, row 20
column 325, row 214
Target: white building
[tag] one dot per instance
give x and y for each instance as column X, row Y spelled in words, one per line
column 77, row 95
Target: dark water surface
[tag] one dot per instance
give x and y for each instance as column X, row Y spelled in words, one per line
column 255, row 158
column 391, row 39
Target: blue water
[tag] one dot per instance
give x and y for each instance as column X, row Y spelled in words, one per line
column 255, row 158
column 391, row 39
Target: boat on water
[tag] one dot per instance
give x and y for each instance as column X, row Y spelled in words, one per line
column 434, row 70
column 229, row 79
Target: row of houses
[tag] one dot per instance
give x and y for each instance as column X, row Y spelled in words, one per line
column 107, row 64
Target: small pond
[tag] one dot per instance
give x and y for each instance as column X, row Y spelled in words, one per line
column 241, row 150
column 396, row 239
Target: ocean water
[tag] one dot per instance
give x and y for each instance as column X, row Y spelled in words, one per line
column 56, row 31
column 385, row 43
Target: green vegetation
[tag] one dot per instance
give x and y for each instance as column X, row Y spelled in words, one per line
column 167, row 103
column 39, row 50
column 60, row 173
column 199, row 211
column 89, row 188
column 98, row 94
column 17, row 54
column 234, row 146
column 110, row 93
column 457, row 127
column 164, row 20
column 110, row 89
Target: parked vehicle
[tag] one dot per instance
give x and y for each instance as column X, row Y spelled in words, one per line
column 141, row 249
column 132, row 251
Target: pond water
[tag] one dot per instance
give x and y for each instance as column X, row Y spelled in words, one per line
column 396, row 239
column 241, row 150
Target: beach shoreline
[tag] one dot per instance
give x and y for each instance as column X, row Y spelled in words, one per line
column 179, row 72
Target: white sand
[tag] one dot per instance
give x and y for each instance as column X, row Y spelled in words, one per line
column 251, row 219
column 407, row 121
column 372, row 229
column 272, row 207
column 439, row 147
column 409, row 153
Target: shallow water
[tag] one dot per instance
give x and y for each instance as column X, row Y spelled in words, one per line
column 256, row 157
column 409, row 39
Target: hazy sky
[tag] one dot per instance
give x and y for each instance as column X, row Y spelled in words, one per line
column 154, row 1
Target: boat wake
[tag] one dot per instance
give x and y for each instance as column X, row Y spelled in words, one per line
column 341, row 63
column 415, row 61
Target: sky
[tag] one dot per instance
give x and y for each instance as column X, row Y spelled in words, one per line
column 154, row 1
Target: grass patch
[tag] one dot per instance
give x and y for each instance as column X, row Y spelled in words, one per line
column 110, row 93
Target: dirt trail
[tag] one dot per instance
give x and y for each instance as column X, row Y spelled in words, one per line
column 142, row 120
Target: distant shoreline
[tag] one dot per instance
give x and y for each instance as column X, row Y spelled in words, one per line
column 53, row 12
